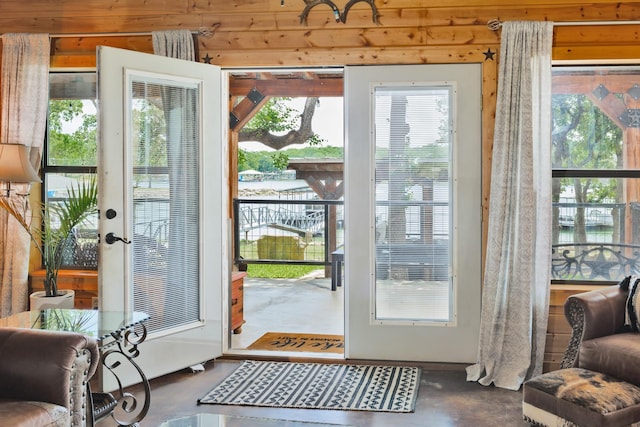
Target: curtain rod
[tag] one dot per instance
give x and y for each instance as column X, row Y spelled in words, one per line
column 204, row 32
column 495, row 24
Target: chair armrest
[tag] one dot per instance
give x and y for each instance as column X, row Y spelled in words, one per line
column 48, row 366
column 591, row 315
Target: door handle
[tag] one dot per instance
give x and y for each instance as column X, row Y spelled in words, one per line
column 111, row 238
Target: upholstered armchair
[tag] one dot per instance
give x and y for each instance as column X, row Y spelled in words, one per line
column 44, row 377
column 601, row 342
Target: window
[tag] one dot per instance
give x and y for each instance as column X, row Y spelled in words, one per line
column 596, row 173
column 70, row 154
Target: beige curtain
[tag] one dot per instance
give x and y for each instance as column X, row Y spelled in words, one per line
column 180, row 109
column 515, row 294
column 24, row 97
column 174, row 44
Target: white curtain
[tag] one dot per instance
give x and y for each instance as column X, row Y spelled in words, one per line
column 24, row 99
column 515, row 297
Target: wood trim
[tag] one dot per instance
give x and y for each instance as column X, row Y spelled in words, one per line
column 489, row 94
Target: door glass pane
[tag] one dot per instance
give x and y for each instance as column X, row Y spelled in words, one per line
column 413, row 203
column 164, row 154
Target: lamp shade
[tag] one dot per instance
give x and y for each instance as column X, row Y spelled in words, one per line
column 15, row 165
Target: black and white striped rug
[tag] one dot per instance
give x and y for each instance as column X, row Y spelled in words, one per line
column 319, row 386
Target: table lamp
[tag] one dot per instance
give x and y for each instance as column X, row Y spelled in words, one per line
column 15, row 165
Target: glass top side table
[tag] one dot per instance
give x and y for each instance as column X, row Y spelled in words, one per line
column 215, row 420
column 118, row 335
column 98, row 324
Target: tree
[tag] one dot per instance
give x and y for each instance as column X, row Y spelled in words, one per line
column 277, row 126
column 583, row 137
column 150, row 142
column 77, row 147
column 268, row 161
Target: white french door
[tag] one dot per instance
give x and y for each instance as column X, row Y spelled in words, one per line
column 162, row 186
column 413, row 212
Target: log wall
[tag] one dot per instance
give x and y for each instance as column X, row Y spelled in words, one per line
column 269, row 33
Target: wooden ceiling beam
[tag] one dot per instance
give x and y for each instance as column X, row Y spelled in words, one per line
column 321, row 87
column 257, row 88
column 614, row 83
column 265, row 75
column 244, row 111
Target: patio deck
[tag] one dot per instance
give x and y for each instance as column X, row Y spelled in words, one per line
column 304, row 305
column 308, row 305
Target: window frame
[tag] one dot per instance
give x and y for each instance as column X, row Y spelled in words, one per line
column 623, row 173
column 49, row 169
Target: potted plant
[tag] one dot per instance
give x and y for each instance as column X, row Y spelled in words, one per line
column 52, row 237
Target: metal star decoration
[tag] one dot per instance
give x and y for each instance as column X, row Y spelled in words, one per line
column 488, row 54
column 207, row 59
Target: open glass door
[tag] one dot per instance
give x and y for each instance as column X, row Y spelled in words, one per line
column 413, row 212
column 162, row 186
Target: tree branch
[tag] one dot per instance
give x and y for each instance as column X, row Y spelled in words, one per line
column 277, row 142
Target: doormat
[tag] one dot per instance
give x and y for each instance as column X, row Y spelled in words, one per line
column 285, row 341
column 319, row 386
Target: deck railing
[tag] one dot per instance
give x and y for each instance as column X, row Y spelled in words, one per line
column 287, row 231
column 295, row 232
column 594, row 261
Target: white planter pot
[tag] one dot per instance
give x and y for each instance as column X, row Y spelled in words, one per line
column 39, row 301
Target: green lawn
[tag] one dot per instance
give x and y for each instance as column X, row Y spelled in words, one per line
column 280, row 271
column 313, row 251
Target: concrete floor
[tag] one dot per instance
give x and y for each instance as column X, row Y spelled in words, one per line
column 308, row 305
column 445, row 399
